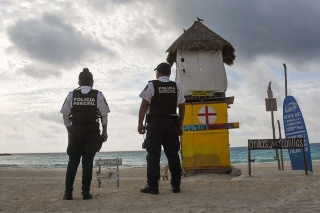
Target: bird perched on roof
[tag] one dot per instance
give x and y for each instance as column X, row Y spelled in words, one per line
column 199, row 19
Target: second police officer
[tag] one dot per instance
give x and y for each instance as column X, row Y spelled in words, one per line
column 162, row 97
column 81, row 111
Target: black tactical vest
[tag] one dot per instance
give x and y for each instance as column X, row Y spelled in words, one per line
column 164, row 100
column 84, row 107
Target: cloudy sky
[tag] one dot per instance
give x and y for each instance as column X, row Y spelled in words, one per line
column 45, row 44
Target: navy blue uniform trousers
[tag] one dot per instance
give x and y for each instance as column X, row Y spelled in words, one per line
column 163, row 130
column 82, row 142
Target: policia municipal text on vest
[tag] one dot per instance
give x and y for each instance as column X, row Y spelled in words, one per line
column 84, row 107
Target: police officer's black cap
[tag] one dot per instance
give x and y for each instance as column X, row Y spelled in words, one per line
column 163, row 68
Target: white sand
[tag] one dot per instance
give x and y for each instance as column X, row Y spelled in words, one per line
column 267, row 190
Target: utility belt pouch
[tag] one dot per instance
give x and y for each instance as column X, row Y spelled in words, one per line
column 178, row 120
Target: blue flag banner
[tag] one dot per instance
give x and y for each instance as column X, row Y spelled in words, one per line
column 294, row 127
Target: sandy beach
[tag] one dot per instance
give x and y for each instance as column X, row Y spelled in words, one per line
column 266, row 190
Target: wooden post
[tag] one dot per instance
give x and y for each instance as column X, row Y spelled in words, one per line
column 281, row 154
column 274, row 135
column 249, row 161
column 118, row 177
column 285, row 79
column 305, row 161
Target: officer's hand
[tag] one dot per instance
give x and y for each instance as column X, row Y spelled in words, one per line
column 104, row 137
column 141, row 129
column 180, row 131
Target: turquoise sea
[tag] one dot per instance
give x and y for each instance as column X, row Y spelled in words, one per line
column 131, row 159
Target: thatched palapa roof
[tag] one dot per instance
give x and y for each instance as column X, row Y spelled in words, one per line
column 200, row 38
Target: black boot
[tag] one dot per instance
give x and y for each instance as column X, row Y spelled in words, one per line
column 86, row 195
column 68, row 195
column 148, row 189
column 176, row 189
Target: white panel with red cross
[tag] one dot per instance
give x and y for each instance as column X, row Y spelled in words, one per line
column 207, row 115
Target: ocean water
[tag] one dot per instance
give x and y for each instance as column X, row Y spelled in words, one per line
column 133, row 159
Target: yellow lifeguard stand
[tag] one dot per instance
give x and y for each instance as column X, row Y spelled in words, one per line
column 205, row 141
column 200, row 54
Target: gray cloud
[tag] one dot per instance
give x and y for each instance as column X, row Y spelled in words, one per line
column 105, row 5
column 52, row 116
column 40, row 71
column 50, row 40
column 273, row 29
column 285, row 29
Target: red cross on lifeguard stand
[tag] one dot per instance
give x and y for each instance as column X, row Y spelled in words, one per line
column 212, row 115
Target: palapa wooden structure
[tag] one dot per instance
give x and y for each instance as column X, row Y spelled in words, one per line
column 200, row 38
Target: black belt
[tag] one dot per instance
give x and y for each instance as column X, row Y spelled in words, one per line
column 167, row 115
column 85, row 123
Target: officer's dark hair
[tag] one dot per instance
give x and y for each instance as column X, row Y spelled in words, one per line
column 85, row 78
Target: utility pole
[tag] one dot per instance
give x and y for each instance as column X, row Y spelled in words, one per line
column 285, row 79
column 286, row 94
column 271, row 105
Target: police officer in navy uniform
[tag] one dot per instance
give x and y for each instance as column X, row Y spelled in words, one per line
column 81, row 111
column 161, row 98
